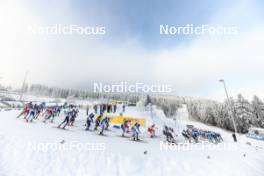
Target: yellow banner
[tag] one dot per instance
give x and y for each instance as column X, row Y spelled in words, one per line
column 121, row 119
column 132, row 120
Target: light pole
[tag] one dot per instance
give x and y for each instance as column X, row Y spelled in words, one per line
column 230, row 109
column 0, row 83
column 151, row 112
column 23, row 85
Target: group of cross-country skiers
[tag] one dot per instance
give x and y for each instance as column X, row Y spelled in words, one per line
column 32, row 112
column 195, row 134
column 96, row 120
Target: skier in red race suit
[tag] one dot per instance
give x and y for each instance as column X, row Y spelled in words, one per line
column 151, row 130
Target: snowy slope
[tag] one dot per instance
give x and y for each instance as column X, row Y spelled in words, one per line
column 20, row 157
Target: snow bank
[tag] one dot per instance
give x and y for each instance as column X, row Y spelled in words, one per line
column 120, row 155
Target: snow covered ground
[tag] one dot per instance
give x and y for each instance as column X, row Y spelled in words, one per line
column 40, row 149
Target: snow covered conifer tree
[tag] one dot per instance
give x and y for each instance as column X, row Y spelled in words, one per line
column 243, row 114
column 258, row 111
column 148, row 100
column 222, row 115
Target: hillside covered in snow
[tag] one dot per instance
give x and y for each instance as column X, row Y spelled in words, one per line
column 39, row 148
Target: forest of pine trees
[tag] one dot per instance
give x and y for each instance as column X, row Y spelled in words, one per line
column 54, row 92
column 246, row 114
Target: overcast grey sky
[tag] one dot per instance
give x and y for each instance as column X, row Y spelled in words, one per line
column 133, row 49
